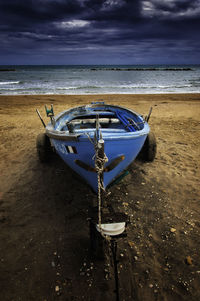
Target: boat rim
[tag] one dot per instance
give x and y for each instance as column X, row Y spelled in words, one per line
column 53, row 133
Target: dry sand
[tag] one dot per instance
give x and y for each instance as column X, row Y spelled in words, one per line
column 44, row 240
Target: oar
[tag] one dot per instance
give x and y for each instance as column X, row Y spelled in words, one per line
column 148, row 116
column 41, row 118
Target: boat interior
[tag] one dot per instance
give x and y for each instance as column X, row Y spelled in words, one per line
column 107, row 120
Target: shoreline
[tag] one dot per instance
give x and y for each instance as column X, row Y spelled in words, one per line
column 112, row 97
column 108, row 94
column 93, row 94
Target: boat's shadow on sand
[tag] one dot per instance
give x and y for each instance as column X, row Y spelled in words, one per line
column 45, row 244
column 47, row 210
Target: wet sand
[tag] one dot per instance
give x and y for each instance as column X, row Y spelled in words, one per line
column 44, row 237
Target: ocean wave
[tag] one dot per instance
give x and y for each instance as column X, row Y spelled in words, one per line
column 10, row 83
column 94, row 88
column 152, row 86
column 79, row 87
column 65, row 88
column 142, row 69
column 139, row 86
column 20, row 89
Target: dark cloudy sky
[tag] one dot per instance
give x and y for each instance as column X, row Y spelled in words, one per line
column 99, row 31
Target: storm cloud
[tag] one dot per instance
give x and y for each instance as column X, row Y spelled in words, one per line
column 99, row 31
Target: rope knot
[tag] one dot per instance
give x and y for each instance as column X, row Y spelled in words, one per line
column 99, row 162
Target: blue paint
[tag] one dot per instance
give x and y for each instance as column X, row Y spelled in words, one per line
column 119, row 139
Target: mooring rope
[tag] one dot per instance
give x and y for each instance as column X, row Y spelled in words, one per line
column 112, row 243
column 100, row 161
column 99, row 165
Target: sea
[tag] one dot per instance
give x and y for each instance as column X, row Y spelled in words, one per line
column 99, row 79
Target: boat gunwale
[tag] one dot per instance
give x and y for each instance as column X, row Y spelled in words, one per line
column 65, row 135
column 61, row 114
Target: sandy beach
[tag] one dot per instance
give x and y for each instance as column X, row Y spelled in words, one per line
column 44, row 237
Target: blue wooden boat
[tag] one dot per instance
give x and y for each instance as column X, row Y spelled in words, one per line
column 95, row 136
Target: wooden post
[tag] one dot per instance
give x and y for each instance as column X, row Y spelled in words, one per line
column 100, row 154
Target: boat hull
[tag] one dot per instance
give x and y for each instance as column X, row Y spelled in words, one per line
column 75, row 134
column 83, row 151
